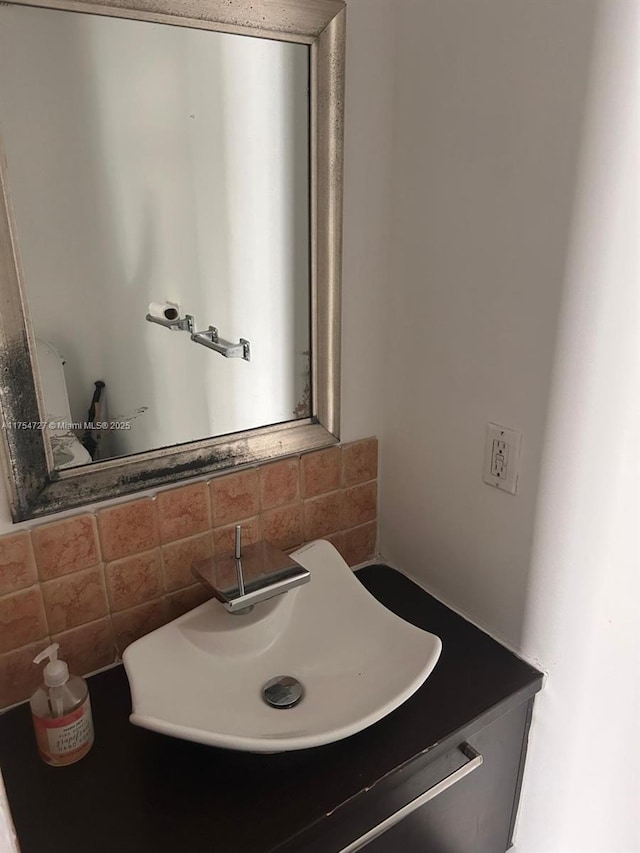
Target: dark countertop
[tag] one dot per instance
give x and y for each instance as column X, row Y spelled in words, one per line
column 141, row 792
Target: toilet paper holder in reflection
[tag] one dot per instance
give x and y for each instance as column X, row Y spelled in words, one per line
column 181, row 324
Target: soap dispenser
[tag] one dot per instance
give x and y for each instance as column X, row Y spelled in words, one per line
column 61, row 712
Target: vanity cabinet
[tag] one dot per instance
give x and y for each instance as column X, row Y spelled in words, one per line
column 465, row 800
column 441, row 774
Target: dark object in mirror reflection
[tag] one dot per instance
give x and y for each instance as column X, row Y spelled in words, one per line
column 91, row 436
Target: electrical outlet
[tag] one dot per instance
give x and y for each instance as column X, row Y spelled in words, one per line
column 502, row 458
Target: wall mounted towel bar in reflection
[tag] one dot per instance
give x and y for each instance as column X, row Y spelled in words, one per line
column 208, row 338
column 211, row 339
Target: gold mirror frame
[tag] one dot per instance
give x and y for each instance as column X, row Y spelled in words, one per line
column 35, row 488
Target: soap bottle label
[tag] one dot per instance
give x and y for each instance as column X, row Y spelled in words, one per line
column 63, row 740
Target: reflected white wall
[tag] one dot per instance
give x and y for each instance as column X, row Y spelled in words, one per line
column 148, row 163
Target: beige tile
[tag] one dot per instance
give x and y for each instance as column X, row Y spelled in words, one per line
column 320, row 472
column 337, row 540
column 279, row 483
column 359, row 504
column 323, row 515
column 66, row 546
column 178, row 557
column 224, row 537
column 183, row 600
column 183, row 512
column 88, row 647
column 22, row 619
column 19, row 675
column 17, row 565
column 359, row 544
column 75, row 599
column 128, row 529
column 129, row 625
column 135, row 579
column 360, row 461
column 283, row 526
column 234, row 497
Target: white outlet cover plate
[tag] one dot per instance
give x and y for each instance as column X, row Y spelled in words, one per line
column 512, row 441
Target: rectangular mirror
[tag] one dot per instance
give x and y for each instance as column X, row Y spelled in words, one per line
column 152, row 165
column 170, row 241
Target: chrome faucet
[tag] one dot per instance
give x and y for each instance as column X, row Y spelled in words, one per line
column 243, row 580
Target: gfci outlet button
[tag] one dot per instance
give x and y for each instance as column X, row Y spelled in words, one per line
column 502, row 458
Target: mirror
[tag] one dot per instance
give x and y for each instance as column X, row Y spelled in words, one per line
column 158, row 170
column 171, row 254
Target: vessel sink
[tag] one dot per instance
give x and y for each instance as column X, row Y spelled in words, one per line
column 352, row 661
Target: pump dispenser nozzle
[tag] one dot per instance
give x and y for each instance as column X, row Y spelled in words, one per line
column 56, row 672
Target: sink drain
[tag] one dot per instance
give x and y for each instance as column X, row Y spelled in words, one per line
column 283, row 691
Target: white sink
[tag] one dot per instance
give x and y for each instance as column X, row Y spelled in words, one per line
column 201, row 676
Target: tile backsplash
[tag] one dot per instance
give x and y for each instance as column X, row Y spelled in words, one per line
column 96, row 582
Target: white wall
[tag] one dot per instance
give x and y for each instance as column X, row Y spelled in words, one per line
column 582, row 790
column 514, row 295
column 489, row 109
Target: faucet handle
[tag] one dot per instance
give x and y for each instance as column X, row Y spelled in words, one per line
column 238, row 559
column 238, row 551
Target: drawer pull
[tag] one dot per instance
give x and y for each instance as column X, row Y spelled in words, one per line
column 475, row 760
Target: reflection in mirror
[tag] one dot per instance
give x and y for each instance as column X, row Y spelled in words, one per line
column 152, row 164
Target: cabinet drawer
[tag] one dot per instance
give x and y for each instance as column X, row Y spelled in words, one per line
column 413, row 825
column 463, row 801
column 472, row 809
